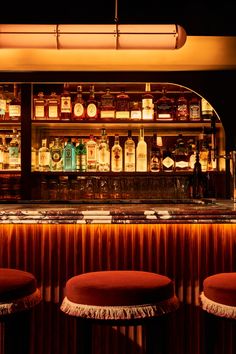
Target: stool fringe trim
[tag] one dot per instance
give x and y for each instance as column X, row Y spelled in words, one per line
column 216, row 308
column 119, row 312
column 20, row 304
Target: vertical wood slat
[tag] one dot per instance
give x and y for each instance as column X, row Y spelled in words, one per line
column 187, row 253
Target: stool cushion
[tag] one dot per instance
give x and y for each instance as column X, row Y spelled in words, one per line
column 119, row 294
column 18, row 290
column 219, row 294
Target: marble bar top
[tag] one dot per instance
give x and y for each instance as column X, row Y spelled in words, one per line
column 120, row 212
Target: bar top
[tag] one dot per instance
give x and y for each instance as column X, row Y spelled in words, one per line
column 120, row 212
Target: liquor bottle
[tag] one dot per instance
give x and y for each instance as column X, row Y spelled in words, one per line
column 123, row 105
column 107, row 105
column 129, row 153
column 40, row 106
column 181, row 156
column 53, row 106
column 103, row 152
column 92, row 105
column 147, row 103
column 204, row 154
column 66, row 104
column 116, row 155
column 69, row 156
column 3, row 104
column 155, row 155
column 164, row 107
column 56, row 150
column 14, row 151
column 34, row 158
column 135, row 111
column 5, row 153
column 79, row 105
column 182, row 109
column 1, row 153
column 141, row 153
column 192, row 154
column 167, row 160
column 81, row 156
column 197, row 180
column 8, row 98
column 44, row 156
column 195, row 109
column 91, row 147
column 15, row 105
column 207, row 111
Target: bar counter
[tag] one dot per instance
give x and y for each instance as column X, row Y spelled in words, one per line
column 121, row 212
column 186, row 240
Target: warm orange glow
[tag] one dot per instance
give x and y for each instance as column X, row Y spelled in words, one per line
column 92, row 36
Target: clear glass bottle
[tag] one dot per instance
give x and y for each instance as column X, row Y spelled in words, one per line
column 91, row 147
column 40, row 104
column 141, row 153
column 81, row 156
column 117, row 155
column 56, row 150
column 164, row 107
column 3, row 104
column 65, row 103
column 155, row 155
column 69, row 156
column 44, row 156
column 147, row 103
column 34, row 158
column 53, row 106
column 204, row 154
column 79, row 105
column 92, row 111
column 107, row 105
column 14, row 151
column 15, row 105
column 129, row 153
column 103, row 152
column 122, row 105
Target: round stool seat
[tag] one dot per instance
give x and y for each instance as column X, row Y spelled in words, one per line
column 119, row 295
column 219, row 295
column 18, row 291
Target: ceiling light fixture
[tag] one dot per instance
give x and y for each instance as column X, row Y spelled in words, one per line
column 92, row 36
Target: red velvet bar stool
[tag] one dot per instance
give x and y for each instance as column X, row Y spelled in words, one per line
column 218, row 300
column 18, row 295
column 120, row 297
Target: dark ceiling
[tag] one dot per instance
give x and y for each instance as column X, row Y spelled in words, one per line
column 206, row 18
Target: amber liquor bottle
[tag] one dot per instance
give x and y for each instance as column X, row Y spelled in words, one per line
column 66, row 104
column 164, row 107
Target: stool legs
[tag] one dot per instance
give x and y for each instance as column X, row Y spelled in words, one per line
column 17, row 333
column 84, row 336
column 156, row 336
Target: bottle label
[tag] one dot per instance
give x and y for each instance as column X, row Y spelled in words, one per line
column 136, row 114
column 52, row 111
column 56, row 155
column 3, row 106
column 194, row 112
column 78, row 110
column 65, row 105
column 44, row 158
column 39, row 111
column 148, row 113
column 168, row 162
column 91, row 110
column 107, row 114
column 147, row 103
column 182, row 164
column 15, row 110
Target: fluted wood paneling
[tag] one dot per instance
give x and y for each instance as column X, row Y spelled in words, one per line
column 185, row 252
